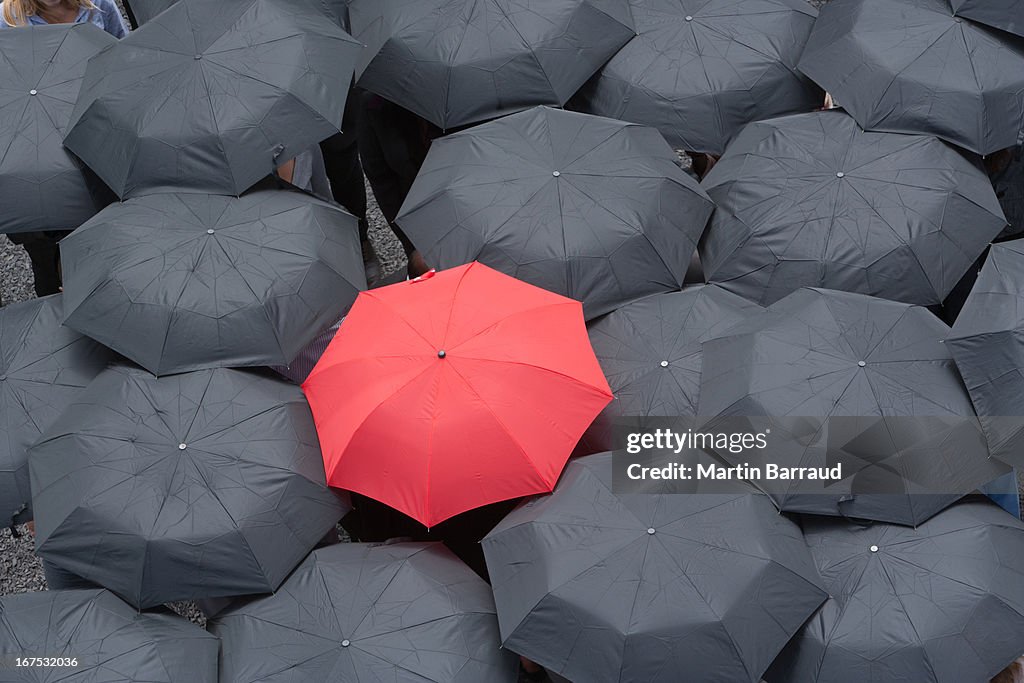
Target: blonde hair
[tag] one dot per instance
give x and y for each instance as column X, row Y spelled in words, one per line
column 17, row 12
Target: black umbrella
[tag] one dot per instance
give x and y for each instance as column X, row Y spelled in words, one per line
column 834, row 364
column 40, row 74
column 987, row 342
column 145, row 10
column 591, row 208
column 942, row 603
column 456, row 62
column 1009, row 186
column 650, row 351
column 353, row 613
column 814, row 201
column 180, row 282
column 912, row 66
column 43, row 367
column 699, row 70
column 198, row 485
column 93, row 636
column 211, row 96
column 1007, row 15
column 603, row 587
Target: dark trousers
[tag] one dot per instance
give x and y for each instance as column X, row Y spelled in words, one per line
column 344, row 170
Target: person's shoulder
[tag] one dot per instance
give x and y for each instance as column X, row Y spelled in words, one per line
column 106, row 6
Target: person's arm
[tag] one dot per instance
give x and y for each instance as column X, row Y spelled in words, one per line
column 113, row 22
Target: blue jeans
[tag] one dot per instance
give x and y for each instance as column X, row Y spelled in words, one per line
column 1003, row 491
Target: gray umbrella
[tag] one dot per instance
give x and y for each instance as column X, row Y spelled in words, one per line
column 40, row 74
column 354, row 612
column 110, row 641
column 650, row 351
column 1009, row 186
column 1007, row 15
column 211, row 96
column 43, row 367
column 832, row 355
column 920, row 69
column 942, row 603
column 180, row 282
column 145, row 10
column 603, row 587
column 591, row 208
column 699, row 70
column 456, row 62
column 987, row 342
column 204, row 484
column 814, row 201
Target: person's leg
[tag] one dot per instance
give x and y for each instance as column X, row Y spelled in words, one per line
column 43, row 253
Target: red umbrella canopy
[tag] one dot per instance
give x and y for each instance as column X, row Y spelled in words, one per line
column 455, row 390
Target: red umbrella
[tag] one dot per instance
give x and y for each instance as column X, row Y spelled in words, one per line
column 455, row 390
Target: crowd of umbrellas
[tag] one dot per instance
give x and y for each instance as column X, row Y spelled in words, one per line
column 161, row 459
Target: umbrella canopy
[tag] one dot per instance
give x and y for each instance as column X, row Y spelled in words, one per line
column 1007, row 15
column 987, row 342
column 698, row 70
column 43, row 367
column 211, row 96
column 147, row 9
column 942, row 603
column 826, row 354
column 180, row 282
column 814, row 201
column 40, row 75
column 594, row 209
column 446, row 393
column 109, row 640
column 1009, row 187
column 920, row 69
column 650, row 351
column 357, row 612
column 200, row 485
column 603, row 587
column 456, row 62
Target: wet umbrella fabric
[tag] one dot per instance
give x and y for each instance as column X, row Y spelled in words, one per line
column 353, row 612
column 1007, row 15
column 180, row 282
column 920, row 69
column 40, row 75
column 650, row 351
column 457, row 62
column 814, row 201
column 699, row 70
column 825, row 355
column 111, row 641
column 587, row 207
column 211, row 96
column 987, row 342
column 147, row 9
column 43, row 367
column 604, row 587
column 942, row 603
column 449, row 392
column 199, row 485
